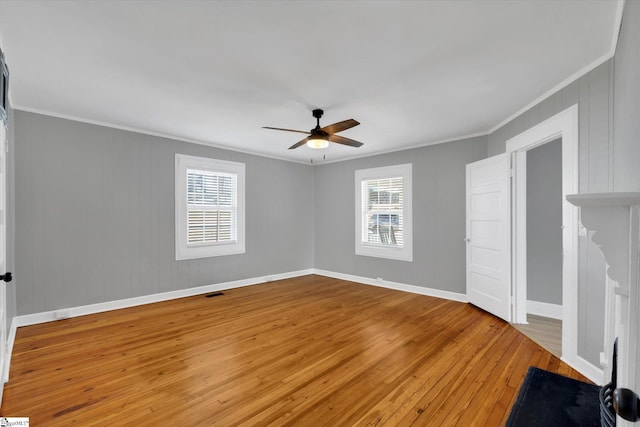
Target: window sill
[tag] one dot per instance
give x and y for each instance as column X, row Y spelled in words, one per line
column 388, row 252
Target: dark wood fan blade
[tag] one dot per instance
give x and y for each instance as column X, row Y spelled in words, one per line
column 299, row 143
column 340, row 126
column 286, row 130
column 345, row 141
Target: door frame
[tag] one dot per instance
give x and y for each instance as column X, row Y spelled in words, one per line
column 562, row 125
column 4, row 358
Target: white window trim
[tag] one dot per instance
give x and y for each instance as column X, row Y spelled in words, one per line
column 184, row 250
column 405, row 253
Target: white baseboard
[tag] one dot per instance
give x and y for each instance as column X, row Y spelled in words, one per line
column 544, row 309
column 587, row 369
column 48, row 316
column 11, row 338
column 548, row 310
column 454, row 296
column 554, row 311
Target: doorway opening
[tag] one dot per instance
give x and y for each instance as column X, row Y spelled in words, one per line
column 527, row 272
column 544, row 246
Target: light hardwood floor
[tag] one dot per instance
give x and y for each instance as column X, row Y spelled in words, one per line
column 544, row 331
column 308, row 351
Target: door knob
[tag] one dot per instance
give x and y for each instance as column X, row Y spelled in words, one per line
column 7, row 277
column 626, row 404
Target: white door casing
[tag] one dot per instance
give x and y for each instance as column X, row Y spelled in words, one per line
column 563, row 125
column 489, row 235
column 3, row 255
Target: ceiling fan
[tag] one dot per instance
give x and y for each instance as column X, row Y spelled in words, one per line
column 320, row 137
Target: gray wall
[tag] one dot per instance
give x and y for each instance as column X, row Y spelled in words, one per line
column 594, row 95
column 95, row 216
column 544, row 222
column 438, row 216
column 626, row 157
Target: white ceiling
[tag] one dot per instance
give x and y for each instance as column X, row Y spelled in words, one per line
column 412, row 72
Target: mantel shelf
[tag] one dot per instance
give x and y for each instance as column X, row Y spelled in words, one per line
column 608, row 215
column 596, row 200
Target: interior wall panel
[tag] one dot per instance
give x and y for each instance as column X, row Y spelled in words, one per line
column 593, row 94
column 438, row 216
column 95, row 216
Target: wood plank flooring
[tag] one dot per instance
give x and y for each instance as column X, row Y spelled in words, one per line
column 309, row 351
column 545, row 331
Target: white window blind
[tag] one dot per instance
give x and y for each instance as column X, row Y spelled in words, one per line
column 211, row 207
column 383, row 211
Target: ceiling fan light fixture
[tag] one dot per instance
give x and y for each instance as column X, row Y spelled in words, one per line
column 317, row 142
column 320, row 137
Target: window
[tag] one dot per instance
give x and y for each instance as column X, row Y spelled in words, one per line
column 383, row 212
column 209, row 207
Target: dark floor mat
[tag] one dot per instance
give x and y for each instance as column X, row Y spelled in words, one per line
column 548, row 399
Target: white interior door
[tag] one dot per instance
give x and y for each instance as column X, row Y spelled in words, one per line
column 3, row 256
column 489, row 235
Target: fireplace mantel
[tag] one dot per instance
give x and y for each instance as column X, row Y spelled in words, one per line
column 615, row 220
column 609, row 216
